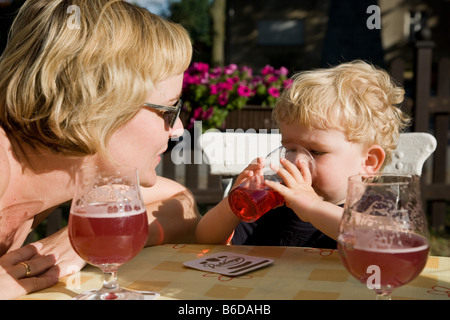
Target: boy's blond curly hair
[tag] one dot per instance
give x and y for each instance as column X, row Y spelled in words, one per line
column 356, row 98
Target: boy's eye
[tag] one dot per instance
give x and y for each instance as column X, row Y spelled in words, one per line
column 316, row 153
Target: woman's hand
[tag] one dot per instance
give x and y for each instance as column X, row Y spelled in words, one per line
column 59, row 245
column 26, row 270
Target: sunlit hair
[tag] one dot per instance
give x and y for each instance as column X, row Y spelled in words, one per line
column 355, row 98
column 69, row 86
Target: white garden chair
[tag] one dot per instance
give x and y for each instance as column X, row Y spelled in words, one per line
column 229, row 153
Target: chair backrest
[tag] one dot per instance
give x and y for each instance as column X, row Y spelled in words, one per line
column 412, row 151
column 229, row 153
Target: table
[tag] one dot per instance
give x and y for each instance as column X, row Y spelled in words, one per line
column 296, row 273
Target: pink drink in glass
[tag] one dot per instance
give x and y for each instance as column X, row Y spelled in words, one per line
column 399, row 263
column 250, row 204
column 104, row 239
column 252, row 198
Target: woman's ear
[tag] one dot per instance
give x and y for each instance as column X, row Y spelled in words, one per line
column 374, row 159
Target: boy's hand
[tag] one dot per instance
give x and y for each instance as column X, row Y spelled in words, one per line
column 296, row 189
column 253, row 168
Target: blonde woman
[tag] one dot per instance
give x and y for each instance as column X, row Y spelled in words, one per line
column 85, row 82
column 348, row 118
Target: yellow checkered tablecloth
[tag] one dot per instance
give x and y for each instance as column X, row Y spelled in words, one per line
column 296, row 273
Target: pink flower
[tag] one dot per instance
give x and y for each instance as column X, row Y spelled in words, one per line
column 256, row 80
column 274, row 92
column 248, row 71
column 202, row 67
column 214, row 89
column 223, row 99
column 209, row 89
column 267, row 69
column 232, row 80
column 208, row 113
column 216, row 72
column 287, row 83
column 205, row 79
column 225, row 86
column 198, row 113
column 191, row 79
column 191, row 124
column 244, row 91
column 230, row 69
column 283, row 71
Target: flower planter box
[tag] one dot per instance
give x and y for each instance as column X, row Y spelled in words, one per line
column 209, row 93
column 251, row 117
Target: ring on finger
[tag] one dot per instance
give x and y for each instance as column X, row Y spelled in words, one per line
column 27, row 268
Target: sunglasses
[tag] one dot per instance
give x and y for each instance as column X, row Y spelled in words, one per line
column 170, row 113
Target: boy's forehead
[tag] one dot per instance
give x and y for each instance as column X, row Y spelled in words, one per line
column 295, row 133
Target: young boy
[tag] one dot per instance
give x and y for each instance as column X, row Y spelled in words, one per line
column 347, row 118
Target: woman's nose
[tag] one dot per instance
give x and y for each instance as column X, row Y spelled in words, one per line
column 177, row 130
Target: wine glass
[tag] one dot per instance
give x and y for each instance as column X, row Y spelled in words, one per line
column 252, row 198
column 383, row 233
column 108, row 225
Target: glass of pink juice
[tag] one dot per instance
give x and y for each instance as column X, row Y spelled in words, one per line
column 383, row 234
column 250, row 200
column 249, row 204
column 108, row 225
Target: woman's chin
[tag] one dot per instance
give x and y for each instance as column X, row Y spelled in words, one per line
column 147, row 179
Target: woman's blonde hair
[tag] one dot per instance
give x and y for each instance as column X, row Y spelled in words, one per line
column 74, row 71
column 356, row 98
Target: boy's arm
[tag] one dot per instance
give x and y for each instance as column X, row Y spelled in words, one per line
column 325, row 216
column 217, row 225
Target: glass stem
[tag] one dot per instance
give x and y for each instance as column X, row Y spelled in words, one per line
column 110, row 281
column 384, row 296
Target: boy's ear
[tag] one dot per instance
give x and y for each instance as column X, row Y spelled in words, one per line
column 374, row 159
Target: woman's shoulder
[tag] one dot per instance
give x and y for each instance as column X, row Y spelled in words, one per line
column 164, row 188
column 5, row 147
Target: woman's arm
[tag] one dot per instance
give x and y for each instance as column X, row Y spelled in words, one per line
column 172, row 213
